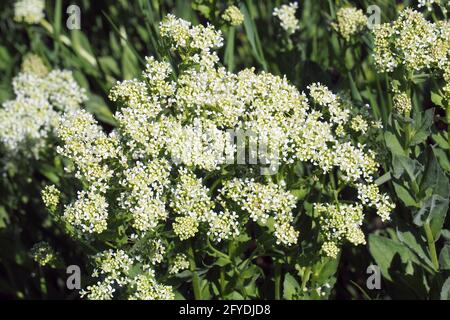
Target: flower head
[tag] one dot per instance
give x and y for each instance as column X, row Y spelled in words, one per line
column 349, row 22
column 29, row 11
column 233, row 16
column 286, row 15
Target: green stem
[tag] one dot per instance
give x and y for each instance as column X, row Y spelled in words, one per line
column 305, row 278
column 431, row 245
column 448, row 123
column 222, row 283
column 195, row 278
column 407, row 137
column 65, row 40
column 277, row 282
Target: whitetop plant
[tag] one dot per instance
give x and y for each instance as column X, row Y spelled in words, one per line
column 414, row 44
column 44, row 254
column 42, row 96
column 349, row 22
column 157, row 181
column 233, row 16
column 286, row 16
column 29, row 11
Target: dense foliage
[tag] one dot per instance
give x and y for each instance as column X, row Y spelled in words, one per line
column 225, row 150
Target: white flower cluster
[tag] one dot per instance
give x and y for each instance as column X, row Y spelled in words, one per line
column 50, row 197
column 163, row 178
column 339, row 222
column 233, row 16
column 158, row 251
column 113, row 267
column 426, row 3
column 261, row 201
column 180, row 263
column 29, row 11
column 349, row 22
column 193, row 43
column 41, row 97
column 145, row 198
column 402, row 103
column 43, row 254
column 370, row 195
column 414, row 43
column 286, row 15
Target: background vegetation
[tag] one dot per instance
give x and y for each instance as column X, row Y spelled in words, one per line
column 413, row 250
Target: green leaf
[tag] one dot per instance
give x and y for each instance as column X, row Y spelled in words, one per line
column 253, row 37
column 444, row 258
column 5, row 58
column 229, row 49
column 4, row 218
column 445, row 234
column 403, row 164
column 82, row 47
column 49, row 172
column 445, row 291
column 416, row 244
column 442, row 158
column 325, row 270
column 422, row 124
column 109, row 66
column 130, row 64
column 437, row 99
column 97, row 106
column 221, row 262
column 383, row 179
column 300, row 193
column 290, row 287
column 393, row 144
column 433, row 211
column 441, row 139
column 383, row 250
column 434, row 179
column 404, row 195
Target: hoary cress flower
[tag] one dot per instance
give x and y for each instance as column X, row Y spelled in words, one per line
column 43, row 254
column 233, row 16
column 416, row 45
column 349, row 22
column 149, row 174
column 29, row 11
column 42, row 96
column 286, row 17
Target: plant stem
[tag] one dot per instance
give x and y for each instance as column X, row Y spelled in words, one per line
column 277, row 282
column 195, row 278
column 222, row 283
column 65, row 40
column 448, row 123
column 431, row 245
column 407, row 138
column 305, row 277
